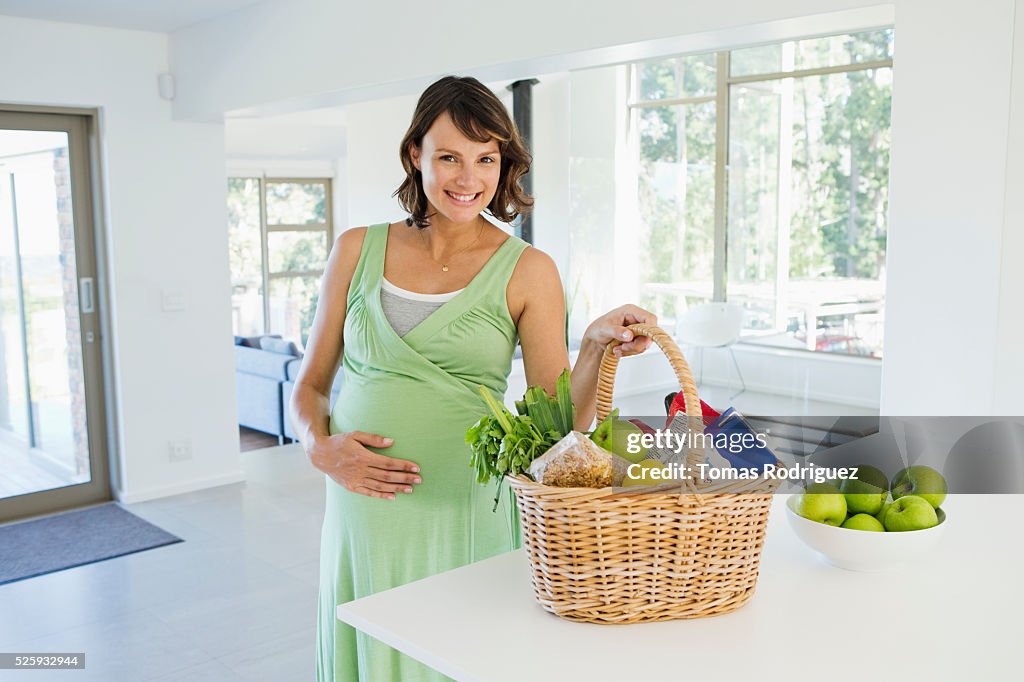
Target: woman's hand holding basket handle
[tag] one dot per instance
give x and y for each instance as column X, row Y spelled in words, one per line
column 613, row 326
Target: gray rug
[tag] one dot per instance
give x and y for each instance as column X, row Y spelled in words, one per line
column 75, row 538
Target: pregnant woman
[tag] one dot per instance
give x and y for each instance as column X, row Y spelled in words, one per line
column 419, row 313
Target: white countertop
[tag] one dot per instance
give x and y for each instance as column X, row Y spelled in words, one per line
column 955, row 614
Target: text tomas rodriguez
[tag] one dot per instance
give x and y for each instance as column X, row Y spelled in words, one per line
column 675, row 471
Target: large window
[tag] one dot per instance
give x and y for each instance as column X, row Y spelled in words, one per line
column 761, row 177
column 279, row 237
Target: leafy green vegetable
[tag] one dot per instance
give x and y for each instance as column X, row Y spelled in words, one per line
column 485, row 438
column 564, row 403
column 521, row 407
column 503, row 443
column 538, row 407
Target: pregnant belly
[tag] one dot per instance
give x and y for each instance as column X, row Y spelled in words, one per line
column 428, row 423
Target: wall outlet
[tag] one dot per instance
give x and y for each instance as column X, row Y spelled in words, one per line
column 173, row 300
column 180, row 450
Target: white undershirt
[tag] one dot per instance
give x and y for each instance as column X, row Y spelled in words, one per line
column 405, row 309
column 416, row 296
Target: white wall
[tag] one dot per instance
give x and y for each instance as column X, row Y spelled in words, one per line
column 1009, row 363
column 163, row 228
column 550, row 171
column 375, row 130
column 948, row 175
column 604, row 241
column 279, row 168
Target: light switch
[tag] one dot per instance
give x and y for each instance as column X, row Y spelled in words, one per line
column 173, row 300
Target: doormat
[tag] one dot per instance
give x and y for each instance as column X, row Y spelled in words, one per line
column 75, row 538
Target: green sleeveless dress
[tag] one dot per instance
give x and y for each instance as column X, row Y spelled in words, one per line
column 420, row 390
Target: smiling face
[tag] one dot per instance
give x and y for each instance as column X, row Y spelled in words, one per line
column 460, row 175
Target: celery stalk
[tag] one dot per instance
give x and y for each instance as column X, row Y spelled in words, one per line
column 500, row 412
column 565, row 406
column 539, row 406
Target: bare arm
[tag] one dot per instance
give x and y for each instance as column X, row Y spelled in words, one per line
column 344, row 456
column 542, row 333
column 541, row 323
column 310, row 402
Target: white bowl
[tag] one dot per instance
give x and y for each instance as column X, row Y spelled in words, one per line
column 861, row 550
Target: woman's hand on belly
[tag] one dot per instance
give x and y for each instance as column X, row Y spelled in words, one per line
column 345, row 458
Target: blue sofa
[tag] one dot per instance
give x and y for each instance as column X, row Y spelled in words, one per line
column 264, row 383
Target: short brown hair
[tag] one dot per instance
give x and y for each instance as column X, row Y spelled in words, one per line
column 480, row 116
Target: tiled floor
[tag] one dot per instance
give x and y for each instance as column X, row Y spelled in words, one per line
column 236, row 600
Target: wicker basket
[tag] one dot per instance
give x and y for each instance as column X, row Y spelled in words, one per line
column 603, row 557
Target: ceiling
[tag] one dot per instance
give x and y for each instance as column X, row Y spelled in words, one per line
column 163, row 16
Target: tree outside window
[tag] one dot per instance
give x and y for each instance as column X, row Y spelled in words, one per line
column 803, row 223
column 280, row 233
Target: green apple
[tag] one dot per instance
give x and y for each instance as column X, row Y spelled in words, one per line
column 622, row 432
column 872, row 475
column 922, row 481
column 867, row 493
column 881, row 512
column 642, row 475
column 822, row 502
column 910, row 512
column 940, row 515
column 864, row 522
column 614, row 435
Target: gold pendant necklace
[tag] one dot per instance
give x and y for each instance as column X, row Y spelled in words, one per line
column 444, row 266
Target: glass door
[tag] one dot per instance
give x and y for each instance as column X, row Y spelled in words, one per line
column 52, row 441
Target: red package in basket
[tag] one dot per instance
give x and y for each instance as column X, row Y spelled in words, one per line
column 678, row 405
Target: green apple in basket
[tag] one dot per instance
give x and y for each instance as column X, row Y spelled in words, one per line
column 922, row 481
column 619, row 436
column 867, row 493
column 822, row 502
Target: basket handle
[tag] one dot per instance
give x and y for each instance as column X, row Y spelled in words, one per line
column 610, row 363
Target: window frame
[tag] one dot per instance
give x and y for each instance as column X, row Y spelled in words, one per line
column 266, row 228
column 722, row 99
